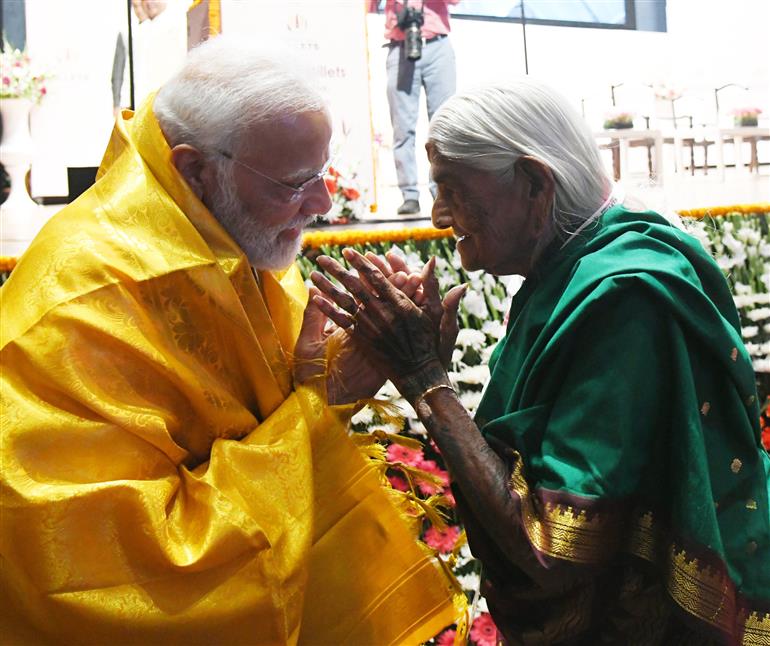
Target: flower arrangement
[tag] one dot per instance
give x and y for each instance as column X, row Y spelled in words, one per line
column 739, row 244
column 19, row 79
column 618, row 119
column 347, row 201
column 665, row 93
column 746, row 116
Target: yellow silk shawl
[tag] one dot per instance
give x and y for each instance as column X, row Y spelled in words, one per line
column 161, row 480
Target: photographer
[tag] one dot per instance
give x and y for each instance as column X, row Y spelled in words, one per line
column 419, row 55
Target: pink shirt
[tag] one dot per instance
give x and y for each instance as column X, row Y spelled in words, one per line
column 436, row 17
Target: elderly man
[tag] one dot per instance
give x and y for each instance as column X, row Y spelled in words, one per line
column 164, row 479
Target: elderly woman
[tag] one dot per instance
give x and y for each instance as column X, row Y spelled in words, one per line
column 612, row 481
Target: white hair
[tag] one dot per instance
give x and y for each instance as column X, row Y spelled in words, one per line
column 490, row 128
column 227, row 86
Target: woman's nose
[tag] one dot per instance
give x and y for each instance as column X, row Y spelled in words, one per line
column 441, row 215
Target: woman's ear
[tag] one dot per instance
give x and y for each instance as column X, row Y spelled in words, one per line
column 541, row 187
column 541, row 180
column 190, row 163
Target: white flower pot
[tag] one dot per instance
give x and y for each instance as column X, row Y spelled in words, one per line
column 20, row 217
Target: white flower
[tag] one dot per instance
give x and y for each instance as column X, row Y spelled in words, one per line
column 725, row 263
column 758, row 314
column 470, row 399
column 741, row 289
column 764, row 250
column 766, row 328
column 486, row 353
column 416, row 428
column 390, row 429
column 389, row 391
column 469, row 581
column 457, row 355
column 414, row 261
column 445, row 281
column 473, row 375
column 481, row 606
column 475, row 304
column 497, row 303
column 364, row 416
column 495, row 329
column 470, row 337
column 761, row 365
column 749, row 331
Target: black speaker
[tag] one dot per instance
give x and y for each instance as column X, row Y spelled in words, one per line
column 79, row 180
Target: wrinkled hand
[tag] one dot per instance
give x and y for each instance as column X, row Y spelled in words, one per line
column 398, row 335
column 351, row 375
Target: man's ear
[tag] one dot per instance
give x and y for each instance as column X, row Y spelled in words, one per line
column 190, row 163
column 540, row 185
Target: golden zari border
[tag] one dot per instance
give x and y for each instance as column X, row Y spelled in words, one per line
column 704, row 591
column 709, row 594
column 562, row 531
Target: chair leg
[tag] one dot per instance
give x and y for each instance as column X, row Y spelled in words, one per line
column 649, row 160
column 616, row 162
column 692, row 159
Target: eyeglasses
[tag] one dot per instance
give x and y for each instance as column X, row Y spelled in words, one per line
column 296, row 190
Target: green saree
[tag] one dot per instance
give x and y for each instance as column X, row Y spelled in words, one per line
column 626, row 403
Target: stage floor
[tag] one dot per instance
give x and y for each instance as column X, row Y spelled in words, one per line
column 675, row 192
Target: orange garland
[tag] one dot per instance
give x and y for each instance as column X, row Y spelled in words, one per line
column 745, row 209
column 7, row 263
column 316, row 239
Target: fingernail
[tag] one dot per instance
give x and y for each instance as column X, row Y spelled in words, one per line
column 348, row 253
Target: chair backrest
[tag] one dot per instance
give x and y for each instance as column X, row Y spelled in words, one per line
column 727, row 98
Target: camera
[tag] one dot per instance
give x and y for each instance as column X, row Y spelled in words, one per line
column 410, row 21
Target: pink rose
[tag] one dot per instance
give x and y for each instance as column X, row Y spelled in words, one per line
column 484, row 631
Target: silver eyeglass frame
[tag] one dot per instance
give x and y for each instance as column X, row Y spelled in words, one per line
column 296, row 192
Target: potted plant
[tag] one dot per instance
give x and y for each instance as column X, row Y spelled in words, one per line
column 746, row 116
column 21, row 86
column 618, row 119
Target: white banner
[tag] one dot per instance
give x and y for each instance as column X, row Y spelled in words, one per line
column 333, row 36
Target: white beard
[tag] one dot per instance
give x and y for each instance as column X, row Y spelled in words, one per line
column 262, row 244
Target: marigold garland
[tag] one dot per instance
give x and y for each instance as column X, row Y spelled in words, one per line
column 7, row 263
column 316, row 239
column 745, row 209
column 351, row 237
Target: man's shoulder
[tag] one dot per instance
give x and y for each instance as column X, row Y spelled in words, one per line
column 86, row 248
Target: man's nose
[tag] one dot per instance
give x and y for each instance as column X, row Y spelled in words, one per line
column 317, row 200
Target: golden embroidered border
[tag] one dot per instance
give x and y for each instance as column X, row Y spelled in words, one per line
column 564, row 531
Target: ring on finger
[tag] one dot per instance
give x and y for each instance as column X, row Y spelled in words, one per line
column 355, row 314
